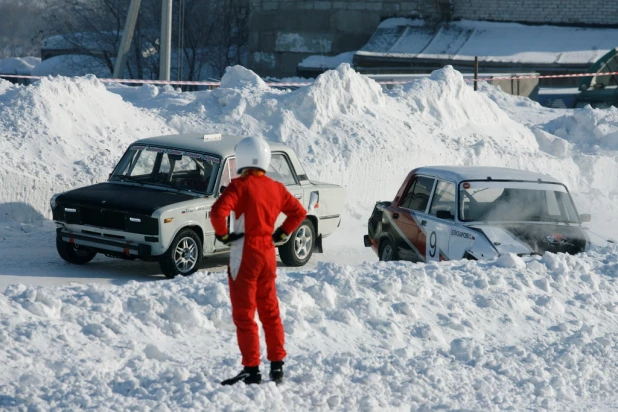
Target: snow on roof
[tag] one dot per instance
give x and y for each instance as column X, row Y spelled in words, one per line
column 461, row 173
column 492, row 42
column 87, row 40
column 72, row 65
column 18, row 65
column 327, row 62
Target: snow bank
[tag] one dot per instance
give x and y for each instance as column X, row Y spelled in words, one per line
column 587, row 138
column 239, row 77
column 344, row 127
column 591, row 129
column 335, row 93
column 524, row 334
column 62, row 133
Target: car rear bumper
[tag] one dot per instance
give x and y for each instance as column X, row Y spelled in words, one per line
column 106, row 245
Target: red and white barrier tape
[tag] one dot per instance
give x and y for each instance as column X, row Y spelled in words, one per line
column 297, row 84
column 179, row 82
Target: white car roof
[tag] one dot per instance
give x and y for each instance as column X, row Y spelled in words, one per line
column 223, row 146
column 462, row 173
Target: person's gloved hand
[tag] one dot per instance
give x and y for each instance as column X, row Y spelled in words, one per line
column 279, row 235
column 229, row 237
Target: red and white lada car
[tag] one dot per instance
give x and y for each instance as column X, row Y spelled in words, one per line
column 450, row 212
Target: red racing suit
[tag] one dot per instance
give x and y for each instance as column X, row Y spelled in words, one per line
column 256, row 201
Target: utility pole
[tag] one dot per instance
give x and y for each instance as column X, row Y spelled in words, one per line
column 127, row 36
column 166, row 40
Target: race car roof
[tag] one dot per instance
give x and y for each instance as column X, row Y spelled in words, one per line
column 462, row 173
column 217, row 144
column 222, row 146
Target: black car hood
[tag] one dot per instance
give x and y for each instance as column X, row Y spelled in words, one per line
column 118, row 196
column 523, row 238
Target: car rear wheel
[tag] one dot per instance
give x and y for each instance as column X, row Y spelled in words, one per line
column 298, row 250
column 388, row 252
column 72, row 253
column 184, row 255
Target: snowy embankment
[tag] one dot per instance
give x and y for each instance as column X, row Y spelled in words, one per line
column 533, row 333
column 62, row 133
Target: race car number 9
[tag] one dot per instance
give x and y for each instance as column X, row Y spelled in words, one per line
column 433, row 243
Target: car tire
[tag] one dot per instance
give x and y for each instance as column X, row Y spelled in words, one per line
column 298, row 249
column 184, row 255
column 388, row 252
column 78, row 255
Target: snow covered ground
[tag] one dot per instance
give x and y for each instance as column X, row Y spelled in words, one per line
column 532, row 333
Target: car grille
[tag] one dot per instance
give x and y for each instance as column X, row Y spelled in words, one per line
column 108, row 219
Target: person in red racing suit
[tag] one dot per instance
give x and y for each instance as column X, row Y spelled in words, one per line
column 256, row 201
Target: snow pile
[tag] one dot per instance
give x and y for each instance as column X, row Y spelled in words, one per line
column 591, row 129
column 62, row 133
column 336, row 93
column 587, row 138
column 515, row 334
column 445, row 100
column 240, row 77
column 344, row 127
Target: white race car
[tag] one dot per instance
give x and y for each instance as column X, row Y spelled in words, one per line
column 446, row 213
column 157, row 201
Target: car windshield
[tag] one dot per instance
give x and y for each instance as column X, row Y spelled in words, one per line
column 516, row 202
column 176, row 169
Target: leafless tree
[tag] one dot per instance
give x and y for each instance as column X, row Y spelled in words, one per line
column 208, row 35
column 20, row 24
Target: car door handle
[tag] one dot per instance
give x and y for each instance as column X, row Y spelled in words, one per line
column 395, row 215
column 298, row 196
column 423, row 222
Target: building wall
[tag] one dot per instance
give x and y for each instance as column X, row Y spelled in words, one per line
column 284, row 32
column 590, row 12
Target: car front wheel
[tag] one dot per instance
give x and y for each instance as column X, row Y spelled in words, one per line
column 388, row 252
column 298, row 250
column 184, row 255
column 78, row 255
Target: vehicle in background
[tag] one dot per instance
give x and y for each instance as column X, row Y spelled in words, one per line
column 450, row 212
column 156, row 204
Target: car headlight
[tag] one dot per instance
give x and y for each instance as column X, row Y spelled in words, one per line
column 52, row 201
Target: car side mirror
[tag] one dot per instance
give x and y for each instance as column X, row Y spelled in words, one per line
column 445, row 214
column 585, row 217
column 222, row 188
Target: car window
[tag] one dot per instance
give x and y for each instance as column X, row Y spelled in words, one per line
column 513, row 203
column 174, row 168
column 186, row 164
column 443, row 199
column 142, row 164
column 280, row 170
column 418, row 194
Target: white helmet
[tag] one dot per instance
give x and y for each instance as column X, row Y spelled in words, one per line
column 252, row 152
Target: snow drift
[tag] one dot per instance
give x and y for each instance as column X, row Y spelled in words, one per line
column 344, row 126
column 515, row 334
column 62, row 133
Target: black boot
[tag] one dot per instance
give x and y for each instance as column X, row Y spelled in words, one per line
column 250, row 374
column 276, row 372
